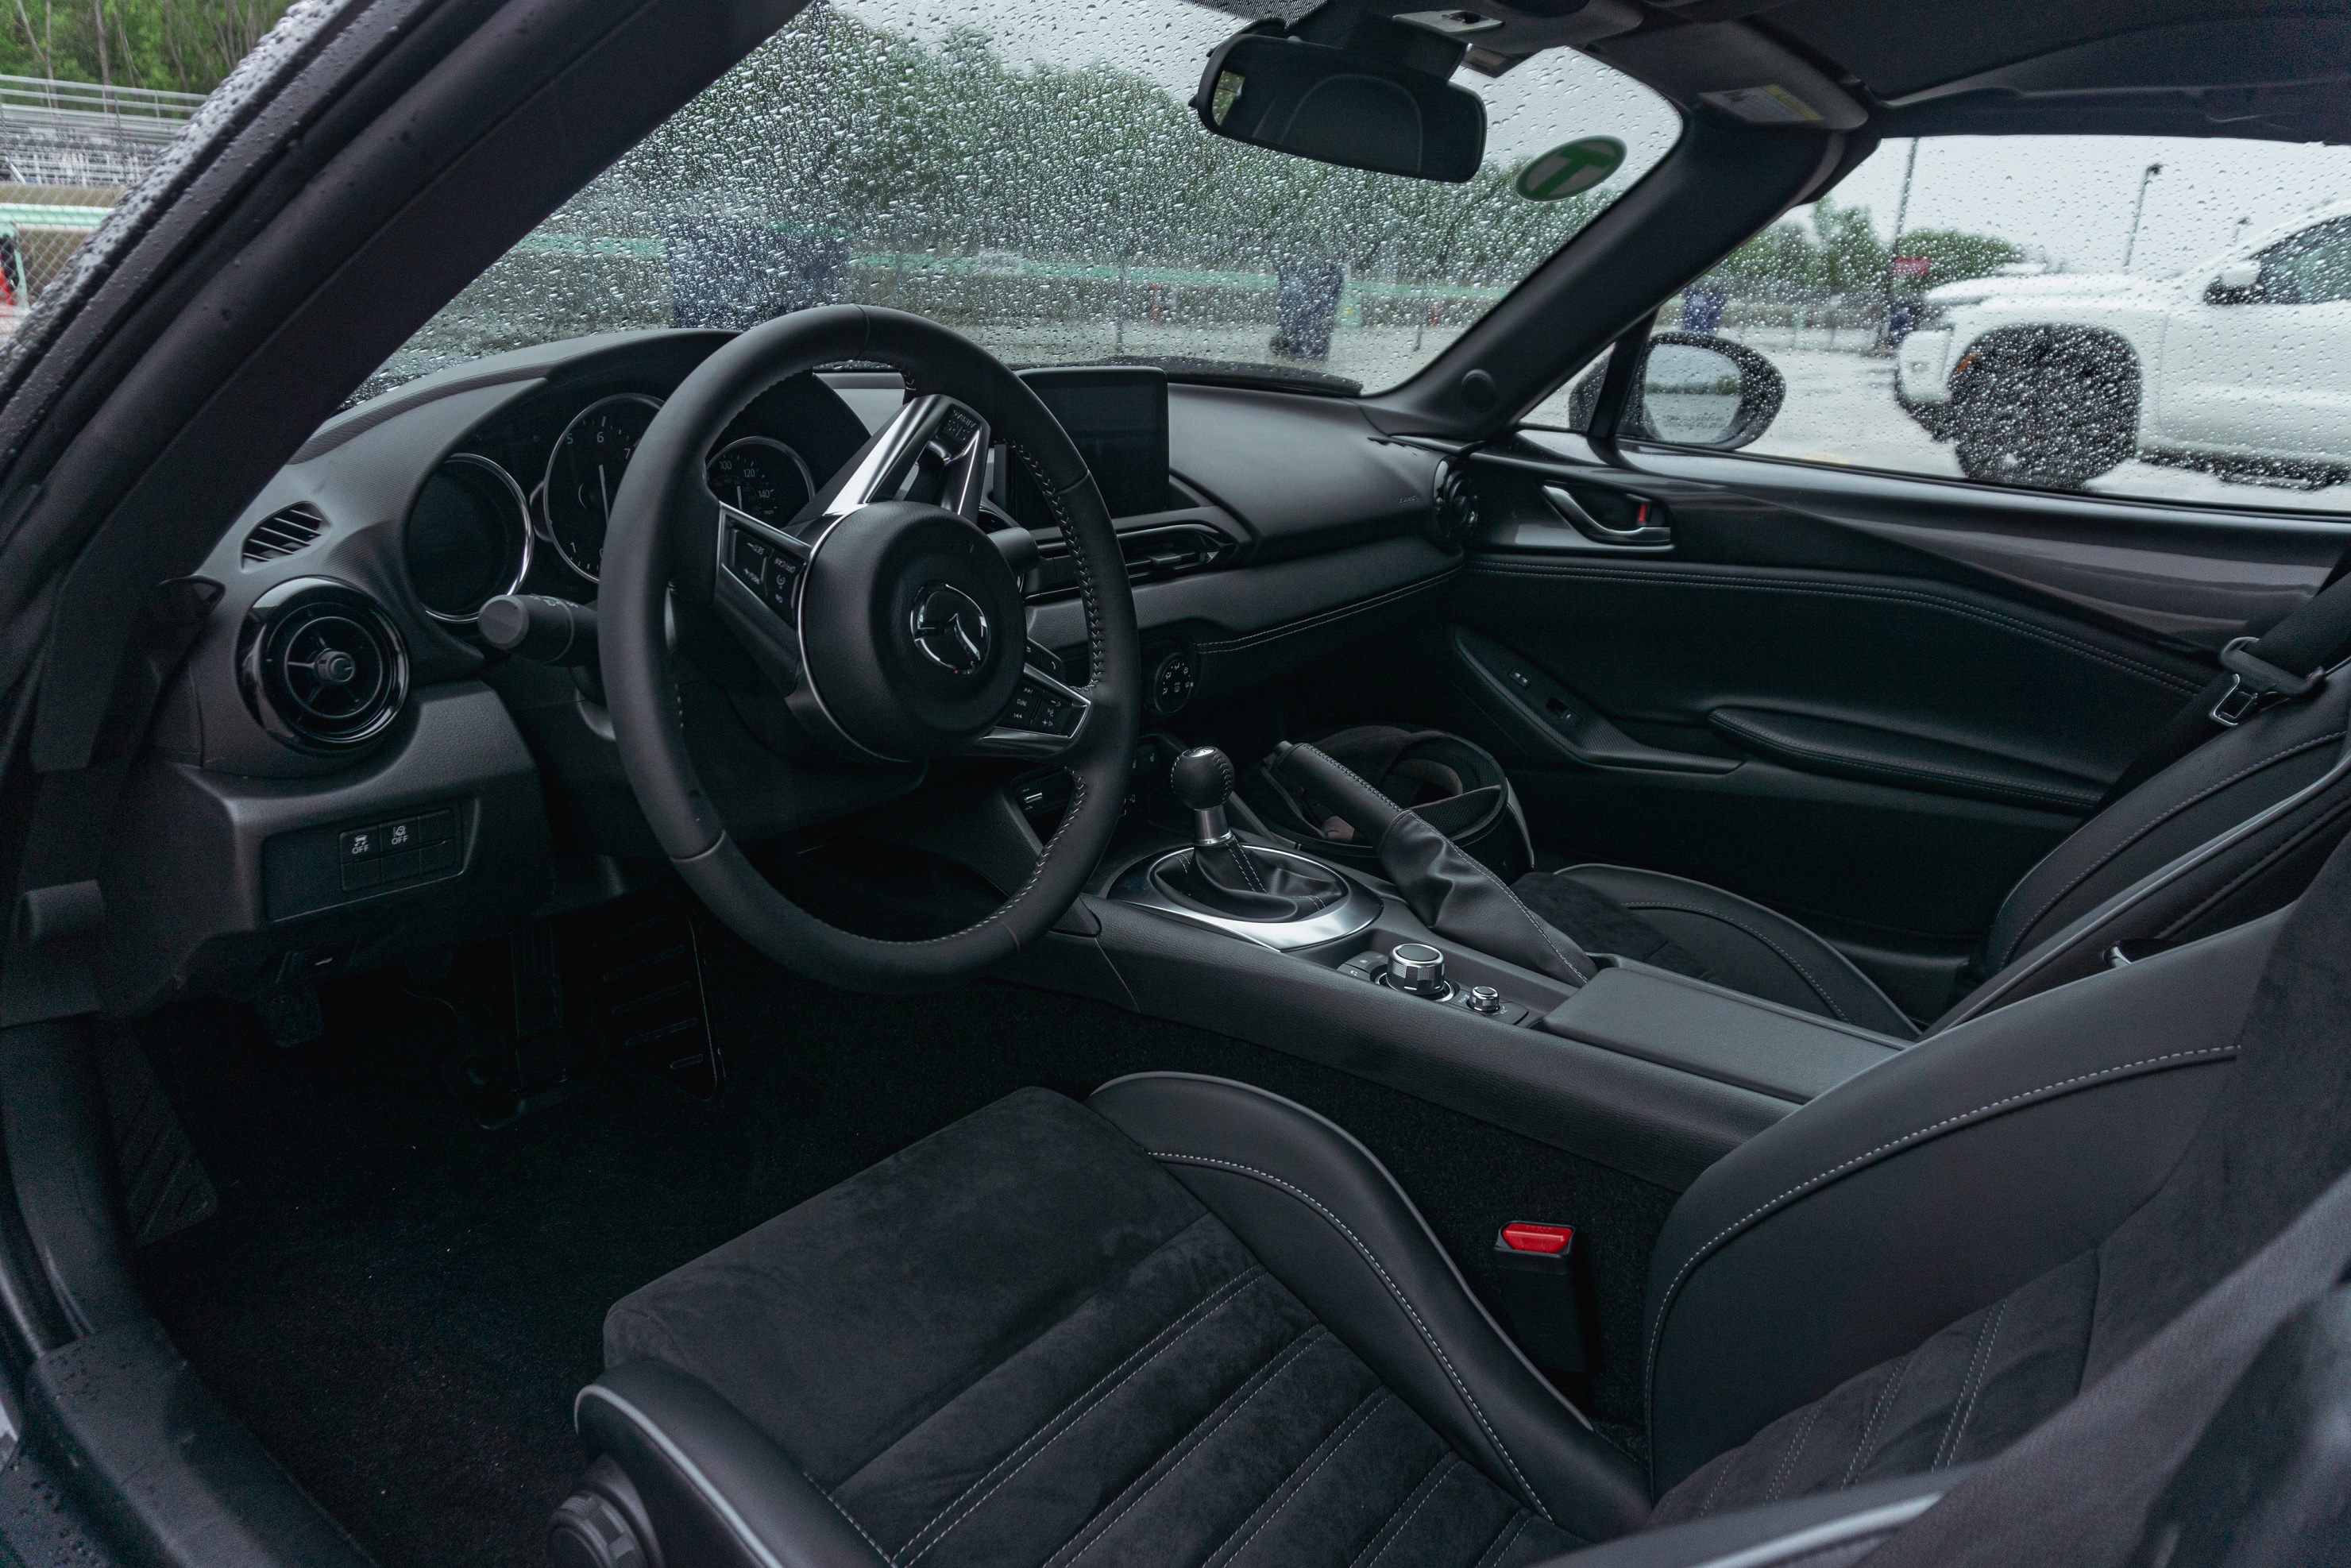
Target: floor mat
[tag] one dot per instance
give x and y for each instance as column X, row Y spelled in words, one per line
column 401, row 1304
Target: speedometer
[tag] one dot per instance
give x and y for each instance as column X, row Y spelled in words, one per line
column 584, row 475
column 765, row 478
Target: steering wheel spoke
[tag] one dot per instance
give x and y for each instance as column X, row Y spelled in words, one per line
column 1045, row 718
column 889, row 615
column 935, row 451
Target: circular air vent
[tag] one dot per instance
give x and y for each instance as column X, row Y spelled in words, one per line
column 1454, row 521
column 320, row 666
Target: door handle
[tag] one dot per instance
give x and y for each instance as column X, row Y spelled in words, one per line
column 1645, row 527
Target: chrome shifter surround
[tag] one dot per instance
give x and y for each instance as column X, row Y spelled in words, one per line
column 1138, row 885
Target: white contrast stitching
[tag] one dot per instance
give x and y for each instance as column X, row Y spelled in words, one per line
column 1781, row 1471
column 1435, row 1482
column 848, row 1516
column 1666, row 1302
column 1865, row 1451
column 1978, row 1365
column 1394, row 1290
column 1273, row 1370
column 1210, row 1306
column 1355, row 1421
column 1510, row 1532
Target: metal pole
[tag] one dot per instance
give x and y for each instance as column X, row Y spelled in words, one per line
column 2130, row 247
column 1901, row 214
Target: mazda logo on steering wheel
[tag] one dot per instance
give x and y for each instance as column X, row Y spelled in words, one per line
column 950, row 628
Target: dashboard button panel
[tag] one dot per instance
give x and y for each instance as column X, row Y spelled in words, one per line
column 401, row 851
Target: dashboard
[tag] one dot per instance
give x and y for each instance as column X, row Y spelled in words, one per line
column 344, row 770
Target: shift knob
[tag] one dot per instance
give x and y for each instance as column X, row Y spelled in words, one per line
column 1202, row 779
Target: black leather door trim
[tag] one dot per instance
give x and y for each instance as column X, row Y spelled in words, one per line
column 2194, row 574
column 1863, row 751
column 1935, row 598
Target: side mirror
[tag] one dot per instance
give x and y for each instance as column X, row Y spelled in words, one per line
column 1357, row 91
column 2235, row 284
column 1703, row 391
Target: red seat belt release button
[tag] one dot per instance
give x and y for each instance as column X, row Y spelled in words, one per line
column 1525, row 1236
column 1532, row 1262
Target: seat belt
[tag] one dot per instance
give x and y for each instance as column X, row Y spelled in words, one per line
column 2283, row 664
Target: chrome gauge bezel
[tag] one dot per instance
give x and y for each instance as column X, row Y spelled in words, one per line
column 522, row 557
column 546, row 477
column 807, row 478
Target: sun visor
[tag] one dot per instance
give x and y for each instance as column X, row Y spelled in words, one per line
column 1735, row 68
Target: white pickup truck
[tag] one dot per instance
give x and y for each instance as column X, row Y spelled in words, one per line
column 2242, row 365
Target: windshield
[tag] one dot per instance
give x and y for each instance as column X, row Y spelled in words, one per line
column 1030, row 175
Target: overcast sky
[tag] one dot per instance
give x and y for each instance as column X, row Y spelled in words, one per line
column 2067, row 198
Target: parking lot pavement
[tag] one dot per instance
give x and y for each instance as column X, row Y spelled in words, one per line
column 1841, row 410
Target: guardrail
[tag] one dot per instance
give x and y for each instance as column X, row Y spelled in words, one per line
column 145, row 113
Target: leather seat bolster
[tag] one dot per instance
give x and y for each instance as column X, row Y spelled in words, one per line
column 1328, row 1220
column 1748, row 947
column 2227, row 780
column 1798, row 1260
column 716, row 1491
column 1813, row 1531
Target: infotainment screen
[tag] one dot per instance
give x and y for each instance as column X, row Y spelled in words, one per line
column 1117, row 415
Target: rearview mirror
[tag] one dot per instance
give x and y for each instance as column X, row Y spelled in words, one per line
column 1375, row 99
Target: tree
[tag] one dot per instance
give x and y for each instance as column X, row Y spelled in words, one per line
column 1954, row 255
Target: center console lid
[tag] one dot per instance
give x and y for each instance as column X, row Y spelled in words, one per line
column 1714, row 1033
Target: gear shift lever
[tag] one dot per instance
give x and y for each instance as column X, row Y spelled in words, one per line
column 1225, row 876
column 1203, row 781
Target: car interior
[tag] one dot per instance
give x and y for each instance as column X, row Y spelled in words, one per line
column 822, row 940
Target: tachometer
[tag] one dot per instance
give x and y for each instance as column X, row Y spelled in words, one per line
column 765, row 478
column 583, row 474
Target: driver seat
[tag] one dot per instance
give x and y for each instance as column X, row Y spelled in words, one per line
column 1190, row 1323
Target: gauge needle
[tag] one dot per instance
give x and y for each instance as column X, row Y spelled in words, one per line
column 604, row 488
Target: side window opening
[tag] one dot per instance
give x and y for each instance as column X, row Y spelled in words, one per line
column 2161, row 318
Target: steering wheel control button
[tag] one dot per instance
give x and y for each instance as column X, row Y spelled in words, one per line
column 951, row 628
column 1484, row 999
column 1040, row 710
column 1419, row 968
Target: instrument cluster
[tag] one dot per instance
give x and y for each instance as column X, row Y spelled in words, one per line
column 488, row 514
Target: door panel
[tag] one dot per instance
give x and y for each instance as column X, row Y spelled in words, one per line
column 1868, row 700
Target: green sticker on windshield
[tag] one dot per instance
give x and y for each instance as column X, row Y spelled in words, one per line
column 1565, row 170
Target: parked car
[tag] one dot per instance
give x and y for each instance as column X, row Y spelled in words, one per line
column 2058, row 378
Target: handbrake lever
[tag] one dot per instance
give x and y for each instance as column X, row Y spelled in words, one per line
column 1452, row 893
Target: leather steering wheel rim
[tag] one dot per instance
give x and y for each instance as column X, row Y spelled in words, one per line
column 663, row 534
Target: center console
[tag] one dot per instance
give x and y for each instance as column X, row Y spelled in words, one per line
column 1237, row 929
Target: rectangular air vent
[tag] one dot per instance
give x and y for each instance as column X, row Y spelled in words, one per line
column 1175, row 550
column 283, row 533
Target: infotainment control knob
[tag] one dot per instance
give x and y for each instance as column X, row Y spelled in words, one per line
column 1418, row 968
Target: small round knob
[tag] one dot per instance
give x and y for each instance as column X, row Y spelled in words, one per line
column 1484, row 999
column 1202, row 779
column 1418, row 968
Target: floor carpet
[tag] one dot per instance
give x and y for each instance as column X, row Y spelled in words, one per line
column 401, row 1304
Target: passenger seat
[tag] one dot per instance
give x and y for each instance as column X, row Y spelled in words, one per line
column 2230, row 831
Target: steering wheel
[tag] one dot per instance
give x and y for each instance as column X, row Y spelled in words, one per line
column 889, row 617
